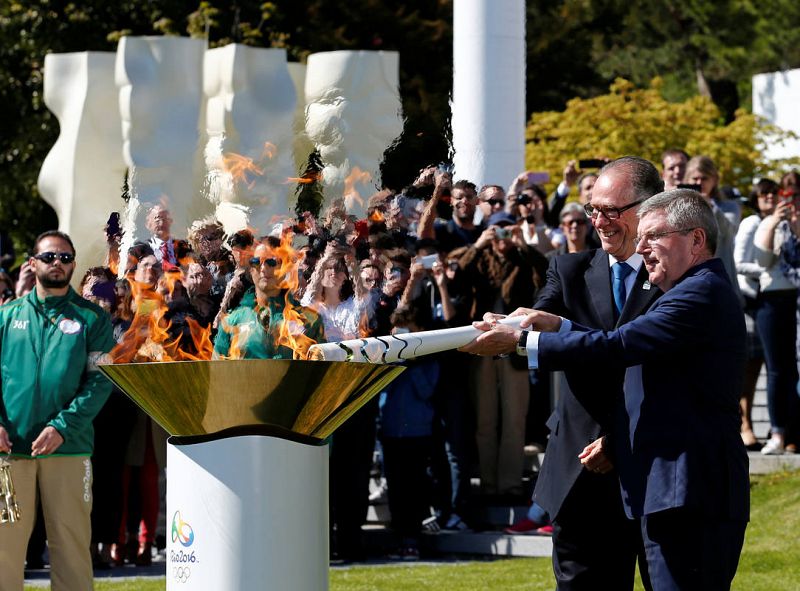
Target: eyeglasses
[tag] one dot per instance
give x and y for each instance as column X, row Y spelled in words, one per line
column 523, row 200
column 610, row 213
column 452, row 265
column 494, row 202
column 49, row 257
column 654, row 237
column 269, row 262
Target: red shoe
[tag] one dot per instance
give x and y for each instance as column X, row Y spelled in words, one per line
column 524, row 527
column 545, row 530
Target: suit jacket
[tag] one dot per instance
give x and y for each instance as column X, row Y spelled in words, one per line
column 680, row 445
column 579, row 288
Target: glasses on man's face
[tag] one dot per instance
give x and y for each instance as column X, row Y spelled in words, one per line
column 610, row 213
column 652, row 238
column 494, row 202
column 268, row 261
column 49, row 257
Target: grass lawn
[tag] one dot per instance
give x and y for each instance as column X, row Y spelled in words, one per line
column 770, row 561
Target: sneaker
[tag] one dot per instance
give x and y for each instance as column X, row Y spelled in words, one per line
column 773, row 447
column 523, row 527
column 545, row 530
column 455, row 523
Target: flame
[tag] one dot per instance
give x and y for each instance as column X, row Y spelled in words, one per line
column 306, row 179
column 270, row 151
column 376, row 216
column 241, row 168
column 356, row 176
column 148, row 338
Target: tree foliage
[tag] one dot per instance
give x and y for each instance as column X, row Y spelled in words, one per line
column 420, row 29
column 629, row 120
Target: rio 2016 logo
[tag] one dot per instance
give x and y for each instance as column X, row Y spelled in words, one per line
column 181, row 531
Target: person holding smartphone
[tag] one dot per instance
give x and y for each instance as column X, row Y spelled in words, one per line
column 775, row 319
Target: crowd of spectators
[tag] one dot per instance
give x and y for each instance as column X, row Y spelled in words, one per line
column 436, row 254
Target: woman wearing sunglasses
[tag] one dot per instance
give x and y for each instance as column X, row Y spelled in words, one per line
column 269, row 322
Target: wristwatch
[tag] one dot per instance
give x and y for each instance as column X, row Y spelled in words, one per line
column 522, row 343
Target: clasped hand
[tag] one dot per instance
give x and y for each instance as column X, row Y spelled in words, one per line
column 501, row 339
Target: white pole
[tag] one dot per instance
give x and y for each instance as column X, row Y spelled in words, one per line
column 488, row 90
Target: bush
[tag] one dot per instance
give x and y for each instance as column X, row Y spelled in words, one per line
column 630, row 120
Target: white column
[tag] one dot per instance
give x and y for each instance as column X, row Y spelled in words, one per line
column 81, row 177
column 776, row 97
column 353, row 114
column 250, row 111
column 247, row 512
column 488, row 90
column 160, row 95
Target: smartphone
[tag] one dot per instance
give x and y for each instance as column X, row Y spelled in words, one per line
column 538, row 178
column 502, row 234
column 591, row 163
column 428, row 260
column 690, row 187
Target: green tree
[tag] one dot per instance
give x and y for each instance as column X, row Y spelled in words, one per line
column 628, row 120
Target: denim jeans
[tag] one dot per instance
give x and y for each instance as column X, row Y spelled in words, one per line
column 777, row 327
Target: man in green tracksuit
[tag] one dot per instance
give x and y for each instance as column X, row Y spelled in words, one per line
column 50, row 343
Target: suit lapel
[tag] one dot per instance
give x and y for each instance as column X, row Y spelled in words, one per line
column 640, row 299
column 598, row 282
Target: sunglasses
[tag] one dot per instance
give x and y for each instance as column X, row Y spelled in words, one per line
column 494, row 202
column 269, row 262
column 49, row 257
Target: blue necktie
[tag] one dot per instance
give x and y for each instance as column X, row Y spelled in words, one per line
column 620, row 271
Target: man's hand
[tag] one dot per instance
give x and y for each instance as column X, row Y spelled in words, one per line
column 49, row 441
column 498, row 339
column 594, row 459
column 538, row 320
column 5, row 441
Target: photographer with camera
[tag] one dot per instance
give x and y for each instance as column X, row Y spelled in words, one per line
column 504, row 271
column 530, row 207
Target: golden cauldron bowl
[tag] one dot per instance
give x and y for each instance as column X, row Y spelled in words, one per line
column 190, row 398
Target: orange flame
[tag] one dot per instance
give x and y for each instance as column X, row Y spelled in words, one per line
column 148, row 338
column 270, row 151
column 376, row 216
column 306, row 179
column 356, row 176
column 241, row 168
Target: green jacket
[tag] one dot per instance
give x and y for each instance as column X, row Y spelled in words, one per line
column 246, row 326
column 48, row 358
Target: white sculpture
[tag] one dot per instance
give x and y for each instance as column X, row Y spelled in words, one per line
column 250, row 110
column 775, row 97
column 160, row 94
column 488, row 90
column 353, row 114
column 303, row 146
column 82, row 176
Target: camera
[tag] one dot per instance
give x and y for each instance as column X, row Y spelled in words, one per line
column 502, row 234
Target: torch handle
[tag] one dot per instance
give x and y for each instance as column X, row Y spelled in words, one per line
column 391, row 348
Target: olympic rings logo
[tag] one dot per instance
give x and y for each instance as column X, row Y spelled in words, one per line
column 181, row 573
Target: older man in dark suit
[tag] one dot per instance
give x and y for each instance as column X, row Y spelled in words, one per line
column 589, row 288
column 682, row 465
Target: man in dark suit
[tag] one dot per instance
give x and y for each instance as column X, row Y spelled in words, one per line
column 683, row 468
column 580, row 286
